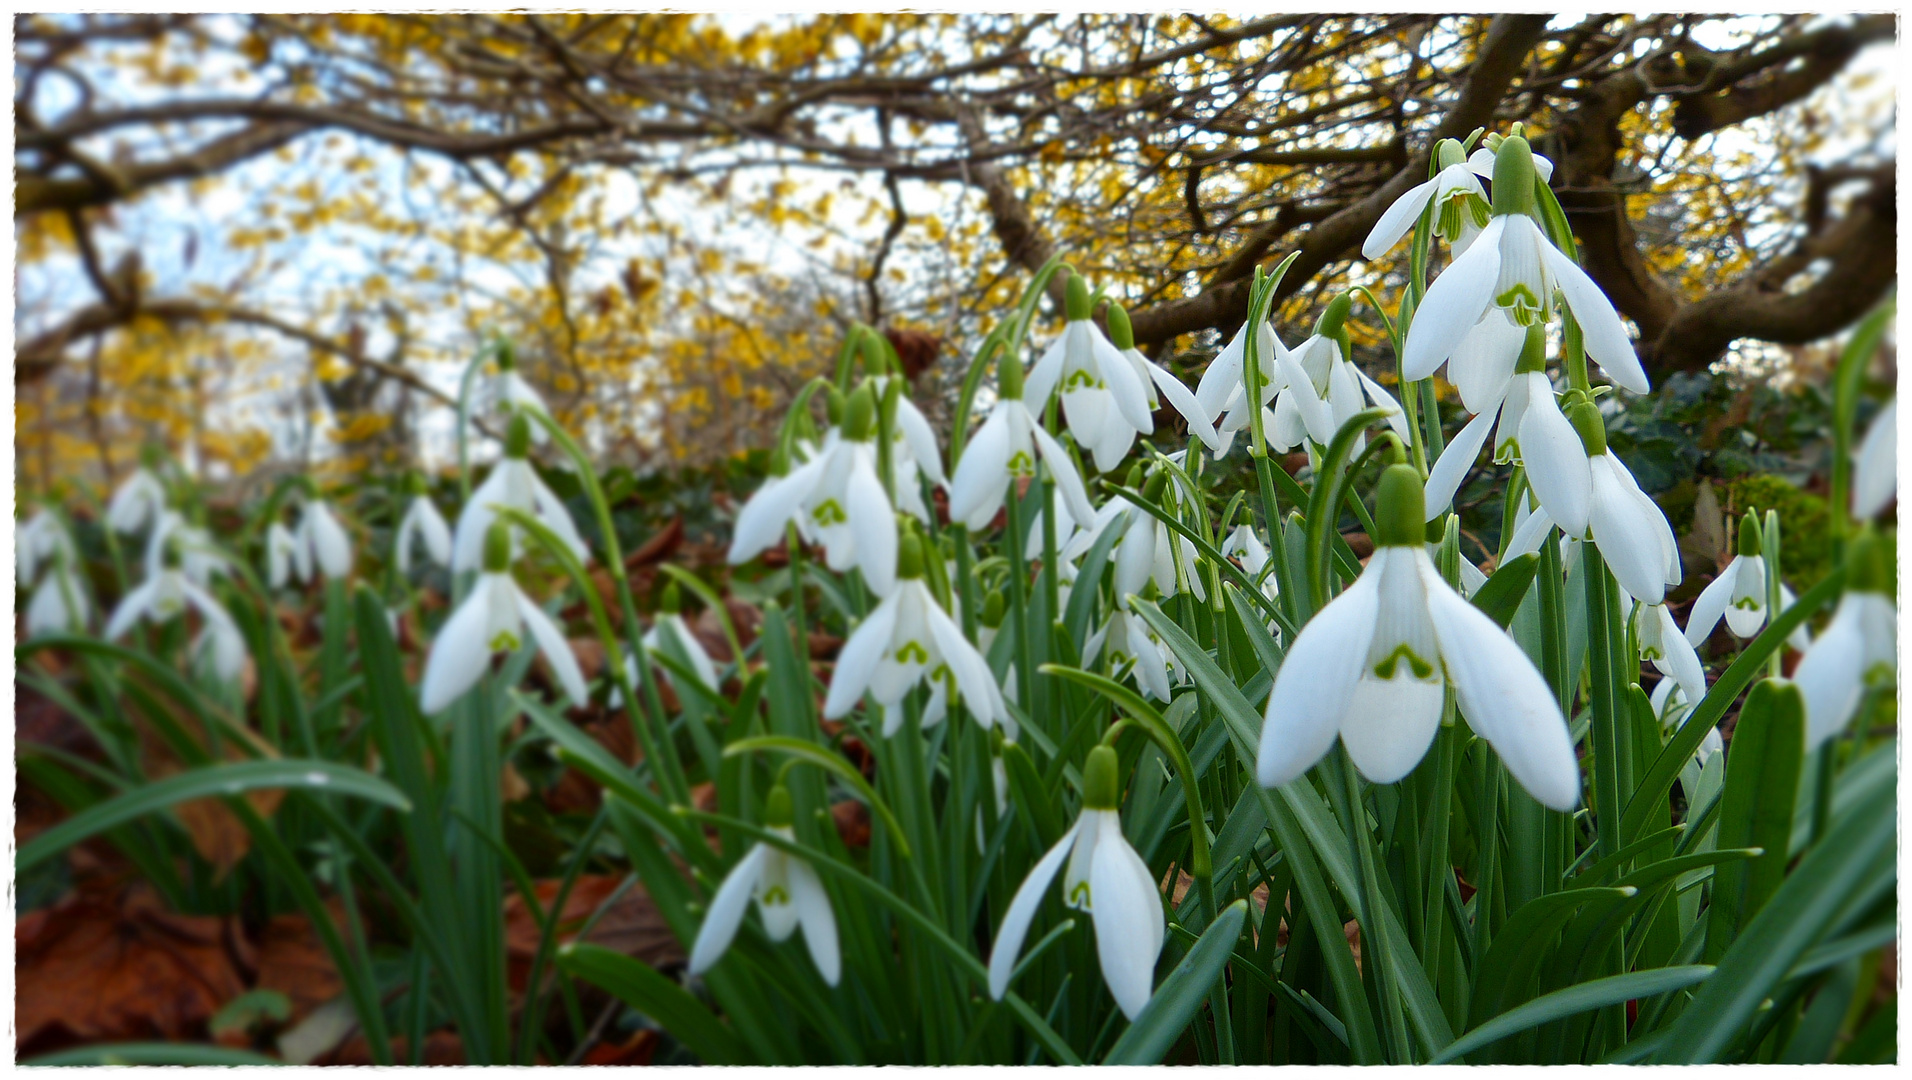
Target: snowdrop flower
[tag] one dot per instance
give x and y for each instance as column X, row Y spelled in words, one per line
column 1222, row 394
column 913, row 449
column 199, row 557
column 1130, row 639
column 1876, row 479
column 670, row 626
column 1460, row 206
column 1669, row 650
column 1671, row 705
column 1104, row 399
column 1531, row 430
column 1326, row 385
column 788, row 895
column 512, row 483
column 906, row 637
column 282, row 550
column 1514, row 267
column 422, row 522
column 1738, row 593
column 511, row 394
column 41, row 541
column 1372, row 665
column 1628, row 527
column 322, row 543
column 1160, row 383
column 493, row 619
column 139, row 500
column 1148, row 552
column 1005, row 448
column 59, row 605
column 1242, row 544
column 840, row 497
column 167, row 592
column 1859, row 648
column 1483, row 158
column 999, row 784
column 1105, row 878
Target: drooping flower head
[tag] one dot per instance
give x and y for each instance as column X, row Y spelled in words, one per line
column 1106, row 879
column 1738, row 593
column 788, row 895
column 836, row 497
column 493, row 619
column 422, row 522
column 1371, row 667
column 167, row 592
column 1512, row 266
column 1858, row 650
column 1104, row 399
column 1006, row 448
column 1461, row 210
column 1160, row 383
column 513, row 483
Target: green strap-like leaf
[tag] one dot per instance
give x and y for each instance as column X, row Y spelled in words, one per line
column 806, row 751
column 640, row 986
column 1598, row 994
column 211, row 781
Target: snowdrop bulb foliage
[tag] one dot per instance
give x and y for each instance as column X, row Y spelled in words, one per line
column 1104, row 399
column 1106, row 879
column 1738, row 593
column 835, row 497
column 1876, row 480
column 1372, row 665
column 139, row 500
column 1460, row 206
column 1005, row 448
column 512, row 483
column 493, row 619
column 422, row 523
column 904, row 638
column 1512, row 266
column 788, row 895
column 1858, row 650
column 166, row 593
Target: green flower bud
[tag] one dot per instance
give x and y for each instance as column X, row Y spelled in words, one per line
column 777, row 810
column 497, row 548
column 416, row 484
column 517, row 436
column 1586, row 420
column 1333, row 321
column 1514, row 177
column 1076, row 298
column 995, row 606
column 859, row 415
column 1448, row 153
column 1533, row 351
column 909, row 556
column 1009, row 378
column 1400, row 508
column 876, row 360
column 1121, row 334
column 672, row 601
column 1099, row 788
column 1749, row 534
column 507, row 355
column 1134, row 480
column 152, row 456
column 1152, row 490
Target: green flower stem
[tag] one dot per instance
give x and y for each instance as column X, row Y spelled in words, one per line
column 1847, row 379
column 1603, row 738
column 1018, row 596
column 1330, row 487
column 485, row 353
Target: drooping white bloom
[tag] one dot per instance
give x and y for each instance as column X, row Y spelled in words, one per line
column 41, row 541
column 1671, row 705
column 1149, row 552
column 1244, row 545
column 1669, row 650
column 1461, row 210
column 513, row 483
column 512, row 394
column 1221, row 392
column 1005, row 448
column 323, row 542
column 422, row 522
column 493, row 619
column 905, row 638
column 913, row 450
column 1129, row 638
column 1513, row 266
column 1160, row 383
column 836, row 498
column 788, row 895
column 59, row 605
column 1875, row 480
column 1859, row 648
column 1104, row 400
column 140, row 499
column 1371, row 668
column 670, row 626
column 200, row 558
column 1739, row 593
column 1329, row 389
column 282, row 552
column 167, row 593
column 1105, row 878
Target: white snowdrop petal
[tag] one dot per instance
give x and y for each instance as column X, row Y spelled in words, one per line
column 1004, row 951
column 1390, row 723
column 1876, row 479
column 1068, row 481
column 1127, row 913
column 1444, row 479
column 812, row 905
column 1628, row 540
column 459, row 655
column 726, row 911
column 982, row 474
column 1454, row 303
column 1605, row 334
column 556, row 648
column 856, row 663
column 1396, row 220
column 1555, row 459
column 1316, row 681
column 873, row 523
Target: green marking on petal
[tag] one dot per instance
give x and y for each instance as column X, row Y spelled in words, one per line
column 1079, row 896
column 1420, row 668
column 1522, row 304
column 504, row 641
column 829, row 512
column 775, row 896
column 911, row 652
column 1021, row 464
